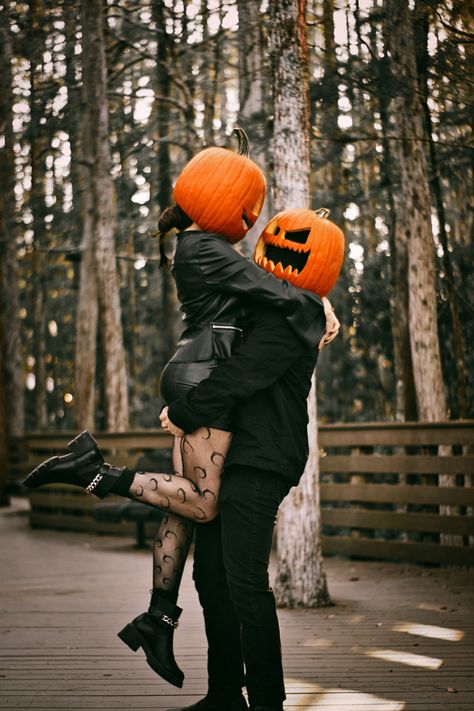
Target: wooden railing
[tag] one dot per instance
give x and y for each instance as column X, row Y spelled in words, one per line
column 396, row 491
column 399, row 491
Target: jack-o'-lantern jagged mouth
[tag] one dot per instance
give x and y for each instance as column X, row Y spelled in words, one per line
column 283, row 260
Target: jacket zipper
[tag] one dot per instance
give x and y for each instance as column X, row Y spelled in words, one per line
column 228, row 328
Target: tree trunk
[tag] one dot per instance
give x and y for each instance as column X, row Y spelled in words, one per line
column 405, row 394
column 291, row 105
column 207, row 76
column 331, row 151
column 13, row 362
column 414, row 221
column 4, row 497
column 163, row 183
column 104, row 216
column 459, row 349
column 252, row 116
column 413, row 213
column 85, row 355
column 187, row 60
column 301, row 579
column 363, row 107
column 37, row 206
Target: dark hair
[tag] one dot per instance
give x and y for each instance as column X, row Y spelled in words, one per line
column 171, row 218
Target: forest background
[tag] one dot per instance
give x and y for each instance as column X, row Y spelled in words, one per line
column 86, row 312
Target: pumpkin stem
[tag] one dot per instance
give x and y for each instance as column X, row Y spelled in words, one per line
column 323, row 213
column 243, row 142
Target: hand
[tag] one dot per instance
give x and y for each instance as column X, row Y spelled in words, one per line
column 168, row 426
column 332, row 325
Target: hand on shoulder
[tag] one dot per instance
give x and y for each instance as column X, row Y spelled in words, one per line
column 332, row 324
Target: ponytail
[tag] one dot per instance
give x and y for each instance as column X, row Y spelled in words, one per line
column 171, row 218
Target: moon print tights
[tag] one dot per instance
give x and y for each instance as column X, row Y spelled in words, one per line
column 188, row 496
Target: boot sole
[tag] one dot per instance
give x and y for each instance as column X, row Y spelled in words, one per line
column 83, row 443
column 133, row 639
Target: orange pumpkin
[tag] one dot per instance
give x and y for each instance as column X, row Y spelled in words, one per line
column 222, row 191
column 303, row 247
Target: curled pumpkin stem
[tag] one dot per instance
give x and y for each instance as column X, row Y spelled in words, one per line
column 323, row 212
column 243, row 139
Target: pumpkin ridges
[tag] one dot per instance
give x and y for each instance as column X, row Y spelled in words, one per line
column 322, row 263
column 214, row 188
column 209, row 212
column 254, row 188
column 328, row 264
column 257, row 184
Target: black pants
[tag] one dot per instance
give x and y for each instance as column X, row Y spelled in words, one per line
column 231, row 576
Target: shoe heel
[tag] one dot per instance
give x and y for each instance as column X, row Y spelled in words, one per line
column 83, row 443
column 129, row 636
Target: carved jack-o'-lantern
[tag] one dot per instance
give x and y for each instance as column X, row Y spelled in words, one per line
column 222, row 191
column 303, row 247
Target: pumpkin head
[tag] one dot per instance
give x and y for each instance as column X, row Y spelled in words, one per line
column 303, row 247
column 222, row 191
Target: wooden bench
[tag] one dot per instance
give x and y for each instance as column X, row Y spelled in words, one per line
column 133, row 511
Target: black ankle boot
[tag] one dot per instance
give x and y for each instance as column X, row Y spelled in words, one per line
column 213, row 702
column 153, row 631
column 84, row 466
column 271, row 707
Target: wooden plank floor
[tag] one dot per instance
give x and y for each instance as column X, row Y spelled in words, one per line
column 399, row 637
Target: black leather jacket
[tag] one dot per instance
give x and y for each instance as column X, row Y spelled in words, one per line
column 217, row 286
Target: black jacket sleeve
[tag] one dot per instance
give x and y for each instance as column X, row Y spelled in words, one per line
column 268, row 351
column 225, row 270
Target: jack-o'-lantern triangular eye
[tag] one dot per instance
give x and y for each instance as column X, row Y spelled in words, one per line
column 247, row 220
column 299, row 236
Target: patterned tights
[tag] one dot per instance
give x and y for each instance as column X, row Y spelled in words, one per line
column 187, row 496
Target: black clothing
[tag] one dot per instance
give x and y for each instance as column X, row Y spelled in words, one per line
column 153, row 632
column 177, row 379
column 268, row 380
column 231, row 575
column 214, row 285
column 218, row 289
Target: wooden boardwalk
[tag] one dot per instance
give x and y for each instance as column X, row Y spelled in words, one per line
column 399, row 637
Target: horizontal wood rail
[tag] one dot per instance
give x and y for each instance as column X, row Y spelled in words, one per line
column 385, row 491
column 398, row 491
column 370, row 434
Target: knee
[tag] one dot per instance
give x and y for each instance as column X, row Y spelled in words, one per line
column 247, row 573
column 207, row 510
column 212, row 511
